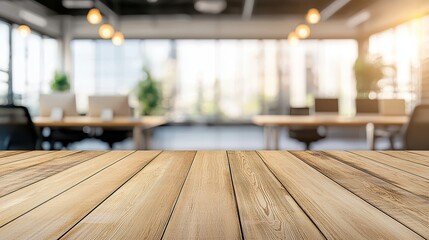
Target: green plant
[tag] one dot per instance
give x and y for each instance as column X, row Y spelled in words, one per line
column 60, row 83
column 148, row 94
column 368, row 73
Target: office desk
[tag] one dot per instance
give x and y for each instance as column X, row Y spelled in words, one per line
column 272, row 124
column 137, row 124
column 214, row 195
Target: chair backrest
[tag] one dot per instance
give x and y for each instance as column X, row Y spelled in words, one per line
column 299, row 111
column 366, row 106
column 64, row 101
column 392, row 107
column 326, row 105
column 17, row 131
column 416, row 135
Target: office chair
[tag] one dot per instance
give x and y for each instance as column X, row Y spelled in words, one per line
column 306, row 135
column 17, row 131
column 326, row 105
column 417, row 130
column 366, row 106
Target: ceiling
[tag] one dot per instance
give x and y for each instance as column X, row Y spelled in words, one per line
column 234, row 7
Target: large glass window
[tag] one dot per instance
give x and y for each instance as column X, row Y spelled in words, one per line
column 219, row 79
column 4, row 61
column 35, row 59
column 400, row 47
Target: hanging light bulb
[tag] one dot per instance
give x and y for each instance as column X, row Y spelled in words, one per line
column 293, row 39
column 94, row 16
column 106, row 31
column 24, row 30
column 303, row 31
column 118, row 38
column 313, row 16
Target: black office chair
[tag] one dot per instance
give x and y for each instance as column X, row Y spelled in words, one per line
column 306, row 135
column 417, row 130
column 17, row 131
column 112, row 136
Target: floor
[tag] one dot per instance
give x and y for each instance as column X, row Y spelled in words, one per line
column 231, row 138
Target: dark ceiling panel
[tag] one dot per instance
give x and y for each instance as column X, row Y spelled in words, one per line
column 234, row 7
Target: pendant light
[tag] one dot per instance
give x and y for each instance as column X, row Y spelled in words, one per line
column 293, row 39
column 303, row 31
column 24, row 30
column 313, row 16
column 94, row 16
column 118, row 38
column 106, row 31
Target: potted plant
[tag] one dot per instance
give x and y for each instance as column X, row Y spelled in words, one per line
column 60, row 83
column 148, row 94
column 367, row 72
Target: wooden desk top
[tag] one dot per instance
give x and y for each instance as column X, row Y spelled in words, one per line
column 327, row 120
column 214, row 195
column 82, row 121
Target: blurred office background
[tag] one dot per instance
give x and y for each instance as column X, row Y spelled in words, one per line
column 216, row 71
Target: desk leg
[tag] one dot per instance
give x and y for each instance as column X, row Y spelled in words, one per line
column 267, row 137
column 147, row 135
column 272, row 137
column 370, row 138
column 276, row 136
column 137, row 137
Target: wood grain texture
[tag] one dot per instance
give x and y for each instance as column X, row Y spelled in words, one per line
column 410, row 167
column 17, row 203
column 338, row 213
column 17, row 165
column 420, row 159
column 402, row 205
column 399, row 178
column 9, row 153
column 21, row 156
column 24, row 177
column 421, row 153
column 140, row 209
column 206, row 207
column 266, row 209
column 56, row 216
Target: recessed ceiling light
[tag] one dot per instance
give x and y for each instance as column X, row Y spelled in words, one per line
column 78, row 4
column 152, row 1
column 210, row 6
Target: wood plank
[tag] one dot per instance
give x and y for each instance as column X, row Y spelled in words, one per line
column 404, row 180
column 266, row 209
column 140, row 209
column 338, row 213
column 424, row 160
column 22, row 156
column 24, row 177
column 405, row 207
column 17, row 203
column 56, row 216
column 206, row 207
column 410, row 167
column 422, row 153
column 17, row 165
column 9, row 153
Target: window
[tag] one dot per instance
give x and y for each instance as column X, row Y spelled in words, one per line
column 219, row 79
column 35, row 59
column 4, row 61
column 400, row 47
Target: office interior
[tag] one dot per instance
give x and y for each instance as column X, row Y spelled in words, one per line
column 220, row 74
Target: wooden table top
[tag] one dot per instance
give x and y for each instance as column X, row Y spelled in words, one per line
column 82, row 121
column 214, row 195
column 327, row 120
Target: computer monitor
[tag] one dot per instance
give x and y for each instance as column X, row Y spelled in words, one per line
column 326, row 105
column 64, row 101
column 118, row 104
column 367, row 106
column 392, row 107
